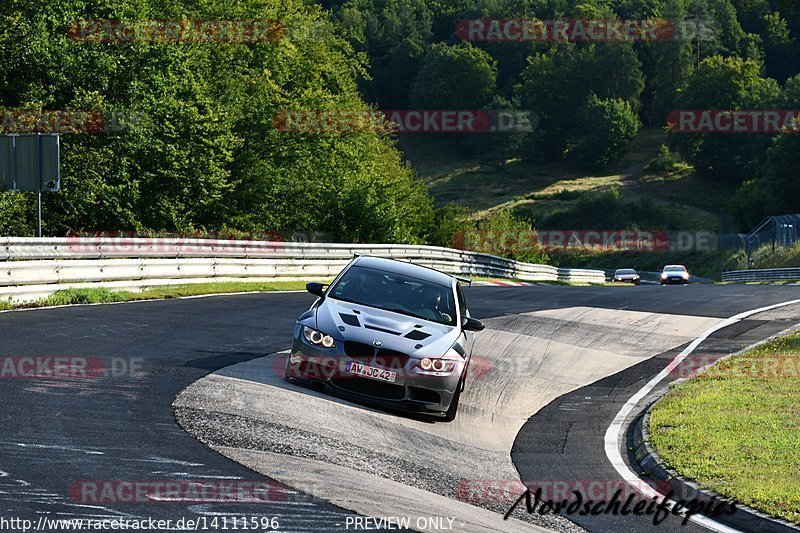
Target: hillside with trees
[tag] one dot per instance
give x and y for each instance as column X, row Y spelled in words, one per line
column 592, row 98
column 200, row 150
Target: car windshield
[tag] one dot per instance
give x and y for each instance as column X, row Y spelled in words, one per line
column 397, row 293
column 626, row 272
column 674, row 269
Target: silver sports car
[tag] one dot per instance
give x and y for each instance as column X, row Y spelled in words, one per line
column 396, row 334
column 675, row 274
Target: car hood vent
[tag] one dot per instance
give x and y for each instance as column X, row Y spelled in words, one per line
column 383, row 330
column 417, row 335
column 350, row 320
column 379, row 329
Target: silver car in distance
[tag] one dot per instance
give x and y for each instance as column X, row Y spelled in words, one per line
column 390, row 333
column 674, row 274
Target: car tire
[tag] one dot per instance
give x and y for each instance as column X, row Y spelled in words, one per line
column 288, row 374
column 452, row 411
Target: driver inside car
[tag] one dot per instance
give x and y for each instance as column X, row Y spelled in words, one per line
column 429, row 306
column 357, row 288
column 363, row 287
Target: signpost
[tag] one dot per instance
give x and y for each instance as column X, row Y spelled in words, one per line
column 31, row 162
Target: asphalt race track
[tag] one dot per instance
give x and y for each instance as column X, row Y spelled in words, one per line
column 556, row 365
column 59, row 432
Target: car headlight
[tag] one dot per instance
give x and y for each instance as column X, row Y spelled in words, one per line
column 430, row 364
column 664, row 275
column 317, row 337
column 685, row 275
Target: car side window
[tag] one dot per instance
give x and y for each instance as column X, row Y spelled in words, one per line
column 462, row 303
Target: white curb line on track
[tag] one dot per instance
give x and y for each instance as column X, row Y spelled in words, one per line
column 614, row 431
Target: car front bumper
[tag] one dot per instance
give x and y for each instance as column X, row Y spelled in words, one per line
column 412, row 391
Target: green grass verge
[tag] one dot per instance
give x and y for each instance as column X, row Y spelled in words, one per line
column 104, row 295
column 781, row 258
column 735, row 428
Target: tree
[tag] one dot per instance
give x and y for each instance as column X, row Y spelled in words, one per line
column 559, row 85
column 455, row 77
column 672, row 63
column 204, row 151
column 551, row 87
column 612, row 70
column 775, row 189
column 394, row 80
column 780, row 48
column 720, row 32
column 726, row 84
column 606, row 128
column 498, row 147
column 393, row 35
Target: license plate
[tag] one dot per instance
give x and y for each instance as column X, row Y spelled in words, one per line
column 371, row 372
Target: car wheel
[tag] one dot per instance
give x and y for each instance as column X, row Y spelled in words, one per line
column 288, row 373
column 450, row 415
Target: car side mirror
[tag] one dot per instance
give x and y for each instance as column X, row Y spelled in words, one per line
column 317, row 289
column 473, row 324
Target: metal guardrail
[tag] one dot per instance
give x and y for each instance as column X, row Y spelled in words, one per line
column 767, row 274
column 31, row 268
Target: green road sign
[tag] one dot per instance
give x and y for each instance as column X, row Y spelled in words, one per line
column 30, row 162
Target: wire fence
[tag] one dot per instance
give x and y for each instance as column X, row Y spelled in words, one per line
column 776, row 231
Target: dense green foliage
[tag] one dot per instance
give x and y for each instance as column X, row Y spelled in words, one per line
column 608, row 125
column 591, row 97
column 201, row 150
column 454, row 77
